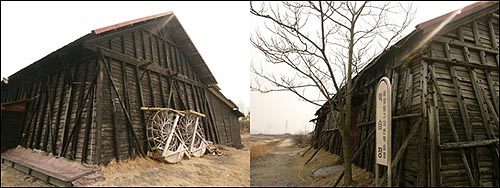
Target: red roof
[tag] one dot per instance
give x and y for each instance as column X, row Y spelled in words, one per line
column 460, row 13
column 116, row 26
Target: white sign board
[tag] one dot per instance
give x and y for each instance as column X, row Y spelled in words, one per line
column 383, row 122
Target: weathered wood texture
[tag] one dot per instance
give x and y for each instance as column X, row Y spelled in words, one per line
column 87, row 99
column 452, row 84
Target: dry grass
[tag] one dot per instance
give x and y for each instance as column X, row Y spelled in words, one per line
column 361, row 177
column 301, row 139
column 129, row 165
column 260, row 150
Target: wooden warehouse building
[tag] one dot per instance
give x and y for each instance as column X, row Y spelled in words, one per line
column 445, row 86
column 83, row 100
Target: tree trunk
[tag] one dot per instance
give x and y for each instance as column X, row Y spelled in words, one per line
column 346, row 139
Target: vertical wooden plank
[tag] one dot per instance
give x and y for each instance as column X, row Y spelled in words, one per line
column 394, row 83
column 59, row 113
column 465, row 116
column 76, row 128
column 493, row 37
column 151, row 47
column 421, row 177
column 124, row 85
column 37, row 109
column 113, row 123
column 208, row 120
column 88, row 125
column 127, row 114
column 99, row 110
column 436, row 89
column 482, row 56
column 162, row 93
column 141, row 100
column 158, row 51
column 480, row 97
column 69, row 109
column 213, row 118
column 30, row 132
column 143, row 45
column 80, row 107
column 47, row 116
column 134, row 46
column 50, row 104
column 151, row 89
column 41, row 123
column 165, row 55
column 51, row 115
column 122, row 42
column 188, row 106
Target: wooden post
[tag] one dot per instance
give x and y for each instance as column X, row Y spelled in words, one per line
column 421, row 177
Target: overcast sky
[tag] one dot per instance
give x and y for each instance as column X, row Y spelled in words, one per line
column 276, row 112
column 219, row 30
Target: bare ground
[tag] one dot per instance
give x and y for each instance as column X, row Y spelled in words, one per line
column 275, row 168
column 284, row 166
column 230, row 169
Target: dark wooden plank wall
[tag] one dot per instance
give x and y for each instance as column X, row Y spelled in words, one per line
column 470, row 93
column 45, row 126
column 129, row 54
column 472, row 43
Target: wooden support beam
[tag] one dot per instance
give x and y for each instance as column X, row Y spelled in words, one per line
column 116, row 152
column 128, row 118
column 147, row 65
column 464, row 114
column 211, row 115
column 422, row 144
column 461, row 43
column 482, row 57
column 88, row 126
column 141, row 103
column 179, row 96
column 203, row 106
column 52, row 96
column 461, row 145
column 34, row 112
column 41, row 123
column 50, row 105
column 453, row 130
column 434, row 137
column 69, row 109
column 460, row 63
column 76, row 128
column 480, row 97
column 59, row 113
column 46, row 126
column 477, row 90
column 80, row 110
column 99, row 111
column 493, row 37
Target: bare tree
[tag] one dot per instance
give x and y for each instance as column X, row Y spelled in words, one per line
column 323, row 45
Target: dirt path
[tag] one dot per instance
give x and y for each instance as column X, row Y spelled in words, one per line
column 275, row 168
